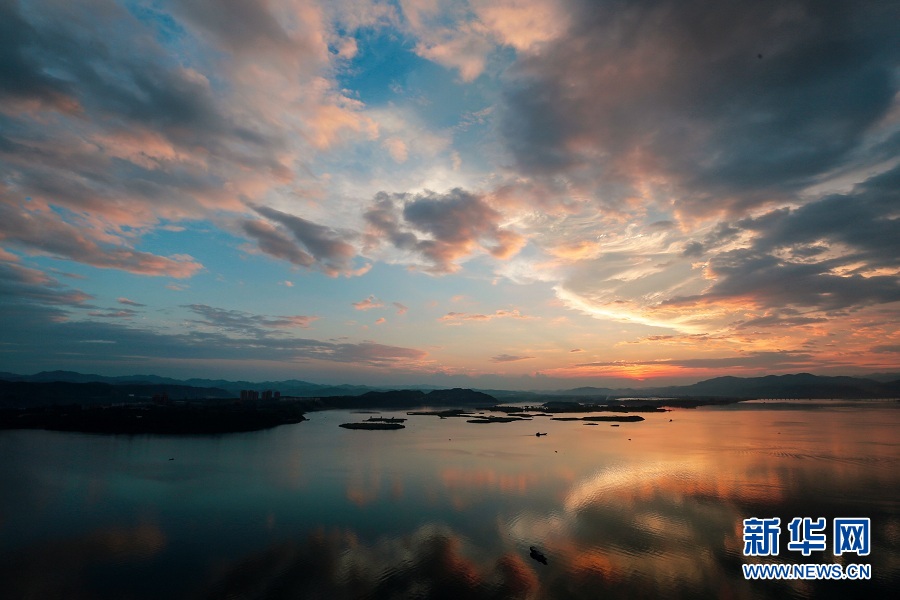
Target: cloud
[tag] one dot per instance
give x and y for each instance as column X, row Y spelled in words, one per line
column 838, row 252
column 667, row 103
column 502, row 358
column 524, row 24
column 638, row 158
column 274, row 243
column 23, row 285
column 820, row 262
column 127, row 302
column 741, row 363
column 459, row 316
column 576, row 350
column 74, row 553
column 247, row 323
column 463, row 48
column 368, row 304
column 455, row 318
column 119, row 119
column 443, row 229
column 374, row 354
column 464, row 37
column 401, row 309
column 36, row 335
column 430, row 561
column 780, row 318
column 141, row 113
column 381, row 321
column 43, row 232
column 321, row 246
column 114, row 314
column 397, row 149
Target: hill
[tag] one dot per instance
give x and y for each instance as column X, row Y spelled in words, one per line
column 798, row 386
column 24, row 394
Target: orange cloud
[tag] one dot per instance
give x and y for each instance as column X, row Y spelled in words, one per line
column 455, row 318
column 368, row 304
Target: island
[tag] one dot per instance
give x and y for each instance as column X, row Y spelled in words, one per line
column 451, row 412
column 492, row 419
column 621, row 419
column 377, row 425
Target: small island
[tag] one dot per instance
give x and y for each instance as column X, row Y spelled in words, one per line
column 452, row 412
column 492, row 419
column 621, row 419
column 376, row 425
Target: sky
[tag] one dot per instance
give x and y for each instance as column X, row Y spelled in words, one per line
column 521, row 194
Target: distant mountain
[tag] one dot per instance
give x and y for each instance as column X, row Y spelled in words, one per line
column 882, row 377
column 67, row 376
column 459, row 396
column 51, row 388
column 799, row 386
column 411, row 399
column 594, row 391
column 73, row 377
column 290, row 387
column 24, row 394
column 802, row 385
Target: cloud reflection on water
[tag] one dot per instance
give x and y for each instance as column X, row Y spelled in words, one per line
column 59, row 568
column 433, row 562
column 645, row 510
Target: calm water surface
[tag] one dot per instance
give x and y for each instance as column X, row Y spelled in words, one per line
column 445, row 508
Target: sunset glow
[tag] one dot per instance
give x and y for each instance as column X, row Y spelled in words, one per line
column 520, row 194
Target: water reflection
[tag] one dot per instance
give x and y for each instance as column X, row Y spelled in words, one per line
column 57, row 568
column 432, row 562
column 444, row 509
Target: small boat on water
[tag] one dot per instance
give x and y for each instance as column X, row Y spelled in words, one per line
column 539, row 434
column 538, row 555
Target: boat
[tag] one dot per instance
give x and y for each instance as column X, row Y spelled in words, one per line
column 538, row 555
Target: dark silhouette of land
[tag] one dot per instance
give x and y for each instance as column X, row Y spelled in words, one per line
column 785, row 387
column 137, row 419
column 575, row 407
column 150, row 404
column 618, row 418
column 798, row 386
column 21, row 394
column 372, row 426
column 405, row 399
column 493, row 419
column 450, row 412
